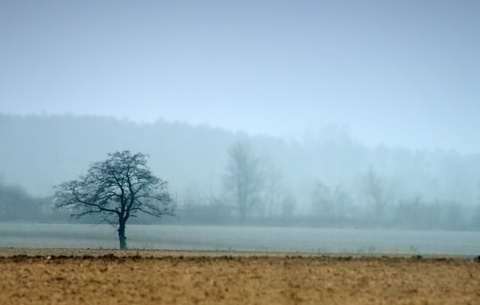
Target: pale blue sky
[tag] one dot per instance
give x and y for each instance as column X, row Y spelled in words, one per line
column 397, row 72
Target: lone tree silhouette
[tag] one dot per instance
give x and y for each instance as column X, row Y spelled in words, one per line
column 117, row 189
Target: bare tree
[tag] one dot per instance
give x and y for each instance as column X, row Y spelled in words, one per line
column 244, row 179
column 273, row 191
column 117, row 189
column 323, row 203
column 377, row 194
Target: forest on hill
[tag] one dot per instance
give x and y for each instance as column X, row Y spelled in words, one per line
column 325, row 178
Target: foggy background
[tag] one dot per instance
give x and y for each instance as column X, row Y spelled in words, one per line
column 327, row 179
column 363, row 113
column 397, row 72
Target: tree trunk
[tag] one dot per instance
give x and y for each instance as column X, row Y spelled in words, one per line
column 121, row 236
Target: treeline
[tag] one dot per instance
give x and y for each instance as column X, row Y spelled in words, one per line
column 337, row 208
column 16, row 205
column 336, row 211
column 325, row 178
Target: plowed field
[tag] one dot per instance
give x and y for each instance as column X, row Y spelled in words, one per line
column 113, row 277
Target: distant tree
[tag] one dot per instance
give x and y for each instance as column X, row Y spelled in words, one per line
column 342, row 204
column 376, row 193
column 273, row 191
column 17, row 205
column 322, row 202
column 117, row 189
column 244, row 179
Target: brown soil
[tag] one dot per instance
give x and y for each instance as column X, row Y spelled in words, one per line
column 113, row 277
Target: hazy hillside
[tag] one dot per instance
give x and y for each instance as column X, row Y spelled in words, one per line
column 41, row 151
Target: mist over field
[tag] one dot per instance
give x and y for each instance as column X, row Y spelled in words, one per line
column 326, row 179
